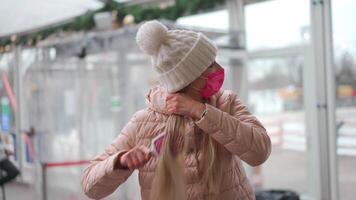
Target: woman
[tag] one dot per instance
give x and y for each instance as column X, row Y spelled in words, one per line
column 204, row 132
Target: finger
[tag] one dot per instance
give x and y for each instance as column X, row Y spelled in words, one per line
column 171, row 102
column 142, row 159
column 148, row 156
column 170, row 107
column 172, row 110
column 168, row 103
column 123, row 161
column 147, row 152
column 175, row 97
column 129, row 163
column 134, row 160
column 176, row 109
column 179, row 96
column 140, row 155
column 170, row 96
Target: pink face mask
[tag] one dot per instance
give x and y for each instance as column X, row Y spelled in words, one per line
column 213, row 83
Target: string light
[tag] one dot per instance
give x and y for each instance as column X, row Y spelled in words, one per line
column 170, row 10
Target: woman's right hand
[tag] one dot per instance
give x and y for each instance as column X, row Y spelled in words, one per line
column 136, row 157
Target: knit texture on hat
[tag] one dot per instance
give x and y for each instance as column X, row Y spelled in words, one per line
column 179, row 56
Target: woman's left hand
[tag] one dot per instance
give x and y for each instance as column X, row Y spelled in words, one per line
column 182, row 104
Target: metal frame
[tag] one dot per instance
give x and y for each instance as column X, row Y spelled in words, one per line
column 276, row 52
column 237, row 27
column 331, row 99
column 18, row 115
column 322, row 104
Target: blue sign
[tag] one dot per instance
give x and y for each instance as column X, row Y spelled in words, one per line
column 5, row 122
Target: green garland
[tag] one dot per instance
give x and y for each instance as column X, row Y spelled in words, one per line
column 140, row 13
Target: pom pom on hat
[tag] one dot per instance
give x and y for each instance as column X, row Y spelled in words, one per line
column 150, row 37
column 178, row 56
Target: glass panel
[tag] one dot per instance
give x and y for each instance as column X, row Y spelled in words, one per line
column 79, row 106
column 344, row 37
column 277, row 37
column 277, row 23
column 276, row 97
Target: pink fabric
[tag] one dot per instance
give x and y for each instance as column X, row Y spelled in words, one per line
column 213, row 83
column 157, row 144
column 227, row 120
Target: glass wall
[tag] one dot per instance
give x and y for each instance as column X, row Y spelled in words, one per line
column 78, row 106
column 9, row 103
column 344, row 38
column 277, row 34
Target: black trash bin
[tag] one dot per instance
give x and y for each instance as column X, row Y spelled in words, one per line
column 276, row 195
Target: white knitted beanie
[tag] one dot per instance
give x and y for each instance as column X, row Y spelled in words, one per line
column 179, row 56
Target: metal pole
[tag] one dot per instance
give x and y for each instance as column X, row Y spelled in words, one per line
column 331, row 99
column 322, row 104
column 17, row 114
column 236, row 12
column 44, row 181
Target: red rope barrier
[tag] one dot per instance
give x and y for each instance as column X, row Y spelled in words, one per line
column 66, row 164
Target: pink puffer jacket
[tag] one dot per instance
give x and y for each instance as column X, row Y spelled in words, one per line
column 227, row 120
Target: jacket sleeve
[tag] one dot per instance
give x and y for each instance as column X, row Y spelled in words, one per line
column 100, row 178
column 240, row 132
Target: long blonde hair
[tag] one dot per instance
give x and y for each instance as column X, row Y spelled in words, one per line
column 169, row 182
